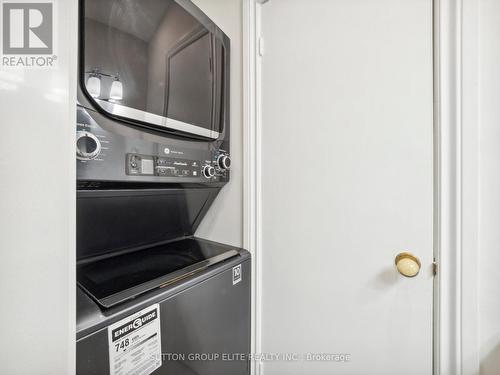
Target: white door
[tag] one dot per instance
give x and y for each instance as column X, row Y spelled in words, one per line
column 347, row 184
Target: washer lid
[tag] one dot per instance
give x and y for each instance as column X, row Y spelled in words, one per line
column 118, row 278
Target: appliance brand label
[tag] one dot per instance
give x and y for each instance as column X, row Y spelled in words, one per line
column 135, row 343
column 237, row 274
column 28, row 34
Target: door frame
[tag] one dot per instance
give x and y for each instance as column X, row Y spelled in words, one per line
column 456, row 179
column 456, row 245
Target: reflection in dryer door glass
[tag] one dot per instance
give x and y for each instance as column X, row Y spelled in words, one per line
column 153, row 61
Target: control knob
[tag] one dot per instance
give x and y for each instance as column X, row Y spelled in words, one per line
column 208, row 171
column 87, row 145
column 224, row 162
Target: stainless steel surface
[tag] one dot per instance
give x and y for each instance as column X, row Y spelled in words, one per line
column 151, row 118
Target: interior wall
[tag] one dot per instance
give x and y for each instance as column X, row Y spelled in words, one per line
column 489, row 283
column 224, row 221
column 37, row 209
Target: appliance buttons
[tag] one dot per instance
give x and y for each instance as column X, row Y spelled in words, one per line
column 87, row 145
column 208, row 171
column 224, row 162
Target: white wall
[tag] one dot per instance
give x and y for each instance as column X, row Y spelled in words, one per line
column 489, row 287
column 224, row 221
column 37, row 210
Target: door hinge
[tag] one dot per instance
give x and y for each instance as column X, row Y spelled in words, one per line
column 260, row 46
column 434, row 268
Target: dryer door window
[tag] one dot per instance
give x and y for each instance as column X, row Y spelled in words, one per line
column 155, row 63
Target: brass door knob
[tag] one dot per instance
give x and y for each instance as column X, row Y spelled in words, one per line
column 407, row 264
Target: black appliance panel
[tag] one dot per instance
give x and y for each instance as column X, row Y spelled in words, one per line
column 120, row 277
column 149, row 165
column 204, row 313
column 109, row 151
column 116, row 220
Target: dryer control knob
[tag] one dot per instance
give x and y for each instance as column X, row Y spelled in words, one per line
column 224, row 162
column 87, row 145
column 208, row 171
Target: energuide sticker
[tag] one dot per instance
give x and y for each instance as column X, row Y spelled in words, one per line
column 135, row 343
column 237, row 274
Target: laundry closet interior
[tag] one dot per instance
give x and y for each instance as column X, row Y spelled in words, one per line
column 251, row 187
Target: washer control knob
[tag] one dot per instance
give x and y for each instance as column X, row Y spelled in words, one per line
column 87, row 145
column 208, row 171
column 224, row 162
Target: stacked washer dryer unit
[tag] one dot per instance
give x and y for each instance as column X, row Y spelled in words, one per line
column 152, row 155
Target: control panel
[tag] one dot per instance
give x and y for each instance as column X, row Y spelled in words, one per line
column 111, row 153
column 161, row 166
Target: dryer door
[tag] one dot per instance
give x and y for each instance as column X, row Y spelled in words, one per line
column 160, row 63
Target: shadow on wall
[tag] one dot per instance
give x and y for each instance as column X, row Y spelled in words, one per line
column 490, row 364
